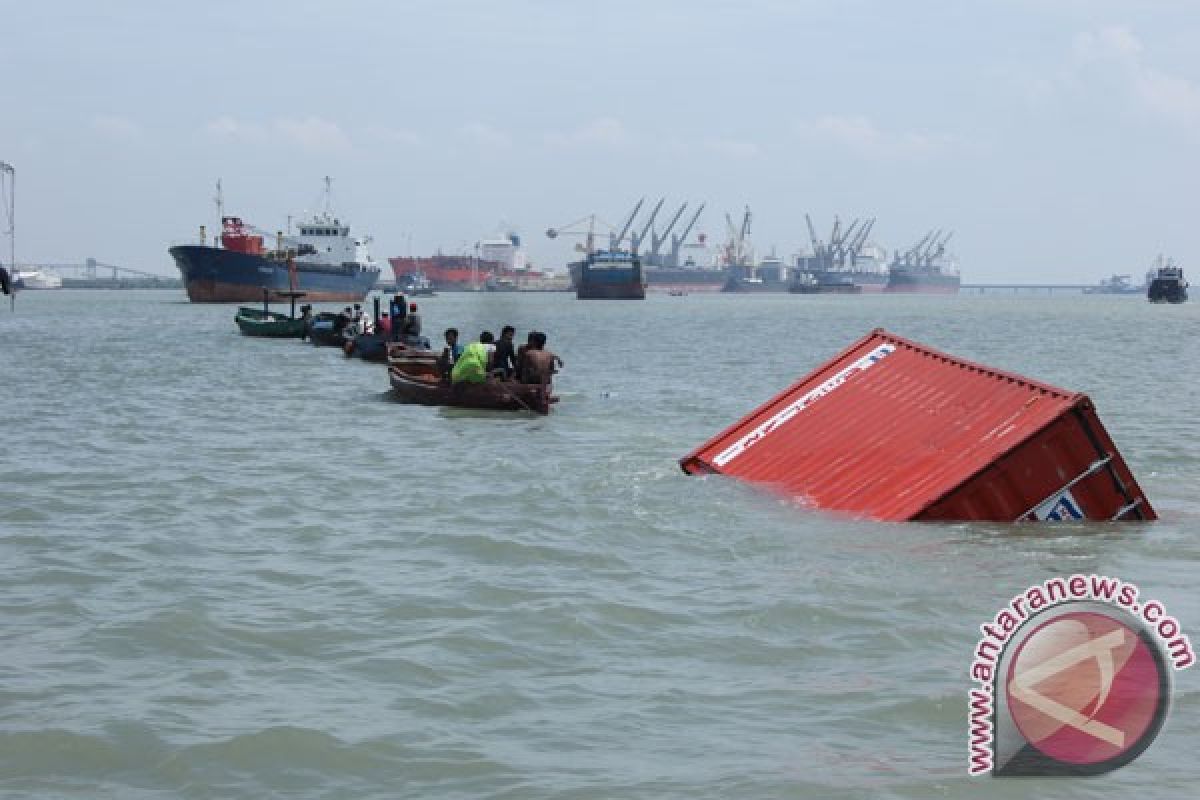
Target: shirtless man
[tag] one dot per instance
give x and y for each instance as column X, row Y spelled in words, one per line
column 540, row 363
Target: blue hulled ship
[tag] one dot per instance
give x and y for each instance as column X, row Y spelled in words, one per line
column 609, row 275
column 323, row 260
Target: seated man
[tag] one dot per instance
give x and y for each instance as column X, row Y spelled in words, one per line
column 412, row 322
column 471, row 366
column 540, row 363
column 450, row 353
column 504, row 358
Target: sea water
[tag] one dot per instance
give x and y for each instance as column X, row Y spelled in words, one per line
column 235, row 568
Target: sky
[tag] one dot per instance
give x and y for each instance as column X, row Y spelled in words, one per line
column 1059, row 139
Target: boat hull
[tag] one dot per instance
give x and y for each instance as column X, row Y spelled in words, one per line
column 216, row 275
column 623, row 282
column 253, row 322
column 932, row 283
column 491, row 396
column 1166, row 293
column 690, row 280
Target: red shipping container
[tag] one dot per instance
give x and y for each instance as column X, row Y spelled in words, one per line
column 892, row 430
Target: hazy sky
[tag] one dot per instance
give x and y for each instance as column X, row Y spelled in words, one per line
column 1060, row 139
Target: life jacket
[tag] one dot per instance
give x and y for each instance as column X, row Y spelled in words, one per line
column 471, row 366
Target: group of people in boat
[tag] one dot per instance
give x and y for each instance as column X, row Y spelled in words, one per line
column 400, row 323
column 491, row 359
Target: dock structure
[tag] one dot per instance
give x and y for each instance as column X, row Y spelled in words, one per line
column 1017, row 288
column 93, row 274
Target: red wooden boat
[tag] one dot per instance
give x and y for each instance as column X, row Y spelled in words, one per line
column 429, row 390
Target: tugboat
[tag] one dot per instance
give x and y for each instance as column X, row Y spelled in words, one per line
column 416, row 284
column 1166, row 284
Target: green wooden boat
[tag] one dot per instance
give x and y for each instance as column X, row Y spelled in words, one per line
column 273, row 324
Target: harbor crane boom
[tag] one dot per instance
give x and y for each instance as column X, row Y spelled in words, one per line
column 657, row 239
column 638, row 238
column 941, row 247
column 929, row 248
column 862, row 236
column 913, row 255
column 683, row 236
column 846, row 236
column 575, row 229
column 616, row 239
column 677, row 241
column 812, row 237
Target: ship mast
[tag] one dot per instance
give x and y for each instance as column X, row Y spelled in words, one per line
column 10, row 208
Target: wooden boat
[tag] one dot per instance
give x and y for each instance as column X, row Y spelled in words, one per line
column 429, row 390
column 323, row 331
column 273, row 324
column 368, row 347
column 416, row 363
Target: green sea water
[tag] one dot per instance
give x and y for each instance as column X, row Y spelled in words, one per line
column 235, row 568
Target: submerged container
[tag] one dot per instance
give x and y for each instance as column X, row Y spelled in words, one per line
column 892, row 430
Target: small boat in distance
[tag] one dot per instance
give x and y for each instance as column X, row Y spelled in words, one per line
column 1166, row 283
column 1117, row 284
column 415, row 284
column 36, row 279
column 271, row 324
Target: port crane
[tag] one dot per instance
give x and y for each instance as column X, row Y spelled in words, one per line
column 677, row 240
column 576, row 228
column 844, row 244
column 737, row 249
column 614, row 240
column 638, row 238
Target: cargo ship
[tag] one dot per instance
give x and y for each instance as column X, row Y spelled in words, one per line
column 770, row 275
column 845, row 259
column 688, row 277
column 497, row 260
column 324, row 261
column 922, row 268
column 609, row 275
column 1166, row 283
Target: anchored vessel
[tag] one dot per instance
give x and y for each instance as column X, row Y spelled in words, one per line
column 844, row 263
column 923, row 268
column 1166, row 284
column 1117, row 284
column 36, row 279
column 500, row 259
column 323, row 260
column 609, row 275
